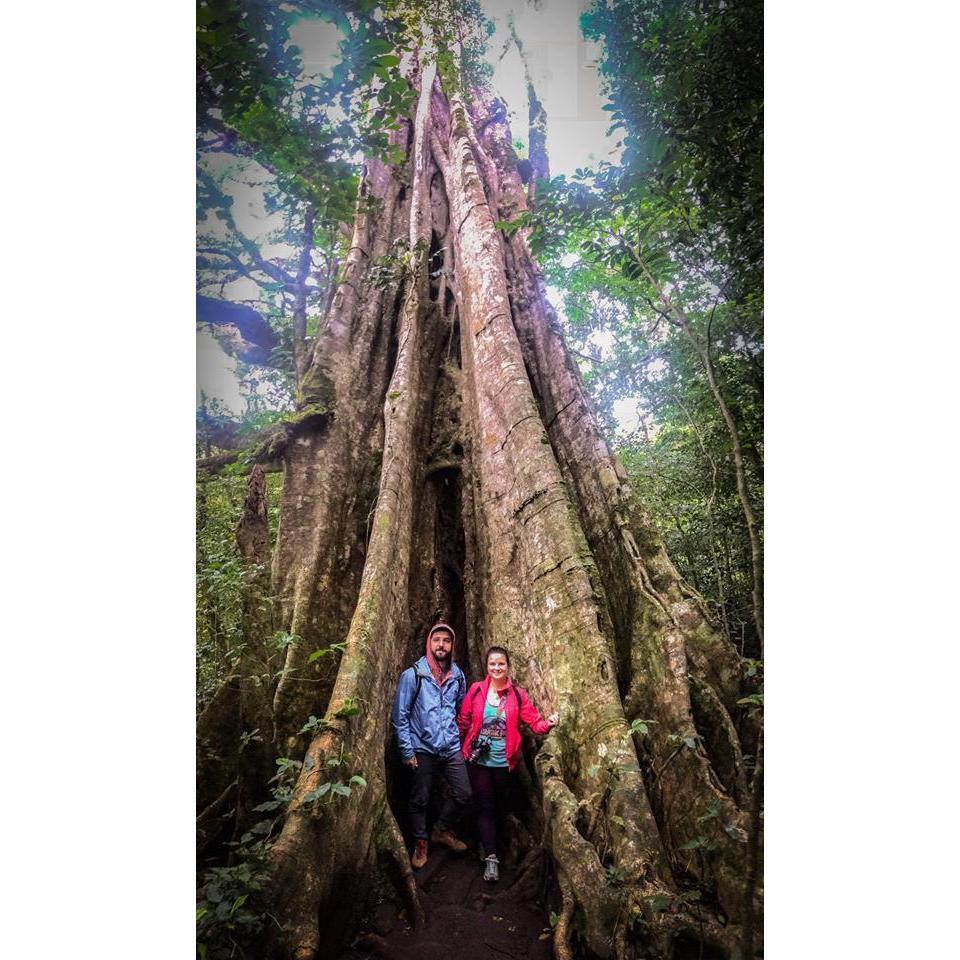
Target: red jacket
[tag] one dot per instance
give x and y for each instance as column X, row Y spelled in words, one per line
column 471, row 718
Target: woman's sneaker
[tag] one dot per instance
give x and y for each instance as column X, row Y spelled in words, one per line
column 491, row 869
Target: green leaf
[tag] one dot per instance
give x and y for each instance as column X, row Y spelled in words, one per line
column 659, row 903
column 349, row 709
column 311, row 726
column 358, row 780
column 389, row 60
column 316, row 794
column 641, row 726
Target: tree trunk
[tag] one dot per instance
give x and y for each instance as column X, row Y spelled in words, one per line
column 449, row 463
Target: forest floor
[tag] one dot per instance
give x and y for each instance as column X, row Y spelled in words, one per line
column 466, row 918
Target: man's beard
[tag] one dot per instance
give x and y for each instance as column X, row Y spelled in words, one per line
column 442, row 659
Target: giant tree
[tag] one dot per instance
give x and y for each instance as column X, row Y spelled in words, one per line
column 446, row 462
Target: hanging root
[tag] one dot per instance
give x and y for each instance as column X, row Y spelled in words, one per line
column 713, row 723
column 217, row 804
column 561, row 932
column 390, row 843
column 621, row 948
column 577, row 861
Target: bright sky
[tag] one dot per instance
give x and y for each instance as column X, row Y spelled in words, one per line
column 562, row 66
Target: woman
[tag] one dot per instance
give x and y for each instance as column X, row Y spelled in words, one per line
column 489, row 723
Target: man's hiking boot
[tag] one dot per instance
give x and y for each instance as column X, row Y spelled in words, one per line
column 419, row 857
column 491, row 869
column 448, row 838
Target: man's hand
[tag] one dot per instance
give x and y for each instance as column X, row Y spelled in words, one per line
column 553, row 719
column 412, row 762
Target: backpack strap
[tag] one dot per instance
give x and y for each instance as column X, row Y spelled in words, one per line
column 461, row 683
column 416, row 692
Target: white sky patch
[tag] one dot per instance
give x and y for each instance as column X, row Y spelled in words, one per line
column 562, row 66
column 556, row 301
column 604, row 341
column 217, row 373
column 627, row 412
column 656, row 368
column 318, row 41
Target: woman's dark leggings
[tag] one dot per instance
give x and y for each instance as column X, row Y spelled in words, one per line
column 491, row 791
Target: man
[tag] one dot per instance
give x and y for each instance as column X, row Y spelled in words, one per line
column 425, row 719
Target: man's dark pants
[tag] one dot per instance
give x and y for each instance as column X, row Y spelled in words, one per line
column 454, row 771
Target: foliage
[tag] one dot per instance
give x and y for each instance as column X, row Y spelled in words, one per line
column 220, row 575
column 251, row 93
column 229, row 262
column 228, row 911
column 685, row 80
column 658, row 262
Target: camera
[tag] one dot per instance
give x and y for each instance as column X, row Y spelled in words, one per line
column 480, row 747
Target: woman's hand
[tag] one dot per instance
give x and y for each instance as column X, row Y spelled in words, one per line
column 553, row 719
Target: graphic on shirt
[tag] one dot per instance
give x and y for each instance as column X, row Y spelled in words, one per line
column 494, row 728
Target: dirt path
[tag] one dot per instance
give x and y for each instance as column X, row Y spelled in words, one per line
column 467, row 919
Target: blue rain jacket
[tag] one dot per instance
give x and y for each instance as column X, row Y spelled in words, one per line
column 429, row 723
